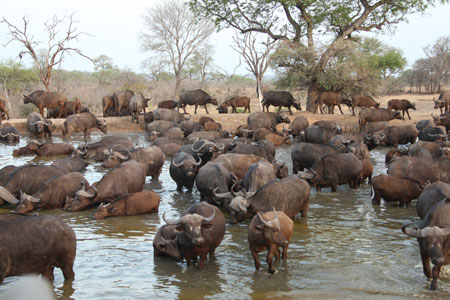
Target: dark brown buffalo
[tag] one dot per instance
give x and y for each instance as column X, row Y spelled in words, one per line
column 108, row 106
column 443, row 120
column 433, row 235
column 137, row 104
column 183, row 170
column 342, row 141
column 298, row 125
column 213, row 177
column 189, row 126
column 126, row 178
column 169, row 104
column 235, row 102
column 169, row 149
column 139, row 203
column 207, row 135
column 70, row 164
column 83, row 122
column 202, row 150
column 47, row 99
column 279, row 98
column 204, row 119
column 421, row 169
column 372, row 127
column 72, row 107
column 53, row 193
column 39, row 127
column 360, row 150
column 28, row 179
column 304, row 155
column 435, row 148
column 195, row 97
column 151, row 157
column 330, row 99
column 200, row 230
column 321, row 135
column 36, row 244
column 168, row 115
column 393, row 154
column 9, row 133
column 255, row 149
column 424, row 124
column 394, row 189
column 432, row 134
column 222, row 109
column 266, row 120
column 212, row 126
column 431, row 194
column 257, row 175
column 165, row 243
column 289, row 195
column 333, row 170
column 269, row 231
column 325, row 123
column 377, row 115
column 160, row 126
column 395, row 135
column 47, row 149
column 443, row 102
column 363, row 102
column 3, row 108
column 121, row 101
column 366, row 171
column 402, row 105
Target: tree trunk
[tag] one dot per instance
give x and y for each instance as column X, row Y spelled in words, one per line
column 178, row 87
column 313, row 95
column 259, row 92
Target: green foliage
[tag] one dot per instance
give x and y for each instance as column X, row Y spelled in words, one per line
column 104, row 69
column 15, row 78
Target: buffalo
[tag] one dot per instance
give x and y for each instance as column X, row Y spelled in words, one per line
column 129, row 205
column 72, row 107
column 83, row 122
column 363, row 102
column 47, row 99
column 235, row 102
column 279, row 98
column 169, row 104
column 183, row 170
column 38, row 127
column 431, row 194
column 395, row 135
column 402, row 105
column 165, row 243
column 304, row 155
column 200, row 230
column 392, row 188
column 442, row 120
column 330, row 99
column 321, row 135
column 3, row 109
column 46, row 149
column 121, row 101
column 195, row 97
column 137, row 104
column 297, row 126
column 214, row 177
column 377, row 115
column 168, row 115
column 443, row 102
column 9, row 134
column 433, row 235
column 432, row 134
column 36, row 244
column 269, row 231
column 109, row 108
column 266, row 120
column 421, row 169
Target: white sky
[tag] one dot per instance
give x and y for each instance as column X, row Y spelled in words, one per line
column 114, row 27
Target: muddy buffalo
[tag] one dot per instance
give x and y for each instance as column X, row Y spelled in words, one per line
column 139, row 203
column 83, row 122
column 39, row 127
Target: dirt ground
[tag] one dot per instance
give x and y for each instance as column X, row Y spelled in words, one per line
column 424, row 104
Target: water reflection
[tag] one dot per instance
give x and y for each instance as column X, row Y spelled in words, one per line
column 346, row 248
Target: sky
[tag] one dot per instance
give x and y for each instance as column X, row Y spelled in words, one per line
column 114, row 28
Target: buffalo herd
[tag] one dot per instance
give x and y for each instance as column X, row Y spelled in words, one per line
column 236, row 174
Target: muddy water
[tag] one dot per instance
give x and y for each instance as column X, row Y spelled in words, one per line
column 346, row 249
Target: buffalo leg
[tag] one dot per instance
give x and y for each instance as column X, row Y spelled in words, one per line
column 334, row 187
column 41, row 111
column 201, row 263
column 255, row 258
column 290, row 112
column 407, row 112
column 233, row 110
column 376, row 199
column 353, row 109
column 425, row 263
column 269, row 258
column 285, row 250
column 49, row 274
column 436, row 271
column 339, row 106
column 304, row 210
column 195, row 111
column 206, row 108
column 279, row 108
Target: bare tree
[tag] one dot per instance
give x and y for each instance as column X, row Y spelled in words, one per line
column 201, row 62
column 439, row 57
column 174, row 31
column 256, row 54
column 154, row 67
column 56, row 49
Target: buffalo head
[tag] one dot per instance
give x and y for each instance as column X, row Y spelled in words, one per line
column 272, row 229
column 26, row 203
column 165, row 244
column 82, row 199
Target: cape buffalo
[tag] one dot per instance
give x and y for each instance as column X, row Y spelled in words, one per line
column 442, row 120
column 200, row 230
column 330, row 99
column 48, row 149
column 363, row 102
column 108, row 106
column 377, row 115
column 443, row 102
column 36, row 244
column 433, row 235
column 72, row 107
column 38, row 127
column 183, row 170
column 165, row 243
column 266, row 120
column 213, row 177
column 431, row 194
column 137, row 104
column 121, row 101
column 139, row 203
column 3, row 108
column 195, row 97
column 321, row 135
column 279, row 98
column 235, row 102
column 168, row 115
column 304, row 155
column 83, row 122
column 269, row 231
column 298, row 125
column 169, row 104
column 402, row 105
column 47, row 99
column 392, row 188
column 9, row 134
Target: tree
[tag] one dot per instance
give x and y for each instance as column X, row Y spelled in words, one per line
column 201, row 62
column 155, row 68
column 439, row 58
column 14, row 78
column 172, row 30
column 304, row 23
column 103, row 66
column 47, row 59
column 256, row 54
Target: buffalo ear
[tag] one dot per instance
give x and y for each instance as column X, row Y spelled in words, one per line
column 180, row 227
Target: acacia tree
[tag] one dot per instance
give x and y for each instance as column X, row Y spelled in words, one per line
column 103, row 66
column 51, row 57
column 256, row 54
column 305, row 23
column 202, row 62
column 174, row 31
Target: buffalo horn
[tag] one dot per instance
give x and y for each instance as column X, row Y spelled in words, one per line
column 175, row 164
column 4, row 135
column 219, row 146
column 48, row 122
column 7, row 196
column 425, row 232
column 170, row 222
column 106, row 152
column 226, row 195
column 272, row 223
column 205, row 143
column 120, row 155
column 210, row 218
column 81, row 152
column 197, row 163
